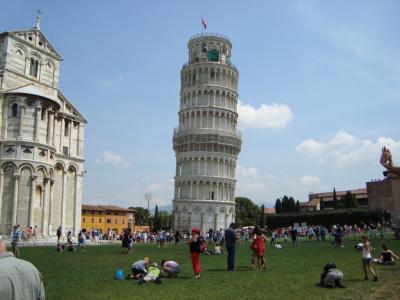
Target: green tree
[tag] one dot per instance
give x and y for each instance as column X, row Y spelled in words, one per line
column 335, row 200
column 246, row 212
column 262, row 216
column 156, row 220
column 349, row 200
column 291, row 205
column 164, row 219
column 142, row 216
column 285, row 204
column 297, row 206
column 278, row 206
column 321, row 204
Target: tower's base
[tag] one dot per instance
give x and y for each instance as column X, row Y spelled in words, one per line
column 203, row 214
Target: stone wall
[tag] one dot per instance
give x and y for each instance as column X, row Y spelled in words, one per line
column 385, row 195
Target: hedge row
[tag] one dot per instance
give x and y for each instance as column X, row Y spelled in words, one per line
column 326, row 217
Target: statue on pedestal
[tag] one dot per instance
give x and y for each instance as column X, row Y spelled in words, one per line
column 386, row 161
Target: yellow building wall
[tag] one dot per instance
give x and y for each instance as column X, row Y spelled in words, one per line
column 104, row 222
column 93, row 220
column 117, row 223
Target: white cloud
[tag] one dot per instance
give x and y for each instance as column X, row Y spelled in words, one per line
column 343, row 149
column 111, row 82
column 113, row 159
column 162, row 192
column 160, row 186
column 249, row 172
column 266, row 116
column 309, row 181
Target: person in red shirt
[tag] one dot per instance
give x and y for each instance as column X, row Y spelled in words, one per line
column 258, row 247
column 195, row 249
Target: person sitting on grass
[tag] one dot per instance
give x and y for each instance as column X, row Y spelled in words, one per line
column 139, row 268
column 331, row 277
column 217, row 249
column 387, row 256
column 152, row 275
column 170, row 268
column 70, row 246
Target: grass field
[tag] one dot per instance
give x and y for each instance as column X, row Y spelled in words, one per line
column 293, row 273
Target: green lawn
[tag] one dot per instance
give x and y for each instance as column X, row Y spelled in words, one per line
column 292, row 274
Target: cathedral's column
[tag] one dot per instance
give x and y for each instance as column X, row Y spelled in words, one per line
column 51, row 206
column 1, row 188
column 61, row 136
column 37, row 118
column 70, row 137
column 45, row 198
column 32, row 200
column 77, row 203
column 5, row 118
column 15, row 199
column 50, row 125
column 21, row 121
column 77, row 140
column 226, row 221
column 63, row 199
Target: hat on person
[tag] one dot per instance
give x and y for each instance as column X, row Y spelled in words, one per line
column 154, row 265
column 146, row 258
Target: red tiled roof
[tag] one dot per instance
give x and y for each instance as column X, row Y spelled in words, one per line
column 269, row 211
column 105, row 207
column 91, row 207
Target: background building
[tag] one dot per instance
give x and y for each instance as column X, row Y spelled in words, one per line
column 385, row 195
column 314, row 199
column 104, row 218
column 41, row 138
column 207, row 141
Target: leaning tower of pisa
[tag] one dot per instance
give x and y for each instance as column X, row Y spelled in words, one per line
column 206, row 142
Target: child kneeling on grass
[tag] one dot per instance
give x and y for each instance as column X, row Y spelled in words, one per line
column 170, row 268
column 331, row 277
column 152, row 275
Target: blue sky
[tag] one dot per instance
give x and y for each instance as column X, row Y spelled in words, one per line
column 319, row 89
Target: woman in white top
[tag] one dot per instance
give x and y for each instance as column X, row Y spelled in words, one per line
column 367, row 258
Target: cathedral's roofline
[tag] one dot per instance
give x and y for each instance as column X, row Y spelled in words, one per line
column 31, row 89
column 14, row 34
column 78, row 114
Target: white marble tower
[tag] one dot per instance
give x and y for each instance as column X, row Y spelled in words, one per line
column 207, row 142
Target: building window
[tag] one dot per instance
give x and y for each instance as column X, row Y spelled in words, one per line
column 108, row 221
column 34, row 67
column 14, row 110
column 65, row 150
column 123, row 221
column 83, row 220
column 66, row 127
column 43, row 114
column 116, row 221
column 99, row 220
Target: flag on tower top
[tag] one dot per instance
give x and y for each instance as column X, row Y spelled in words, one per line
column 203, row 24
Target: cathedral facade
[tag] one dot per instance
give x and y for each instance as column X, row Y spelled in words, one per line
column 41, row 138
column 207, row 141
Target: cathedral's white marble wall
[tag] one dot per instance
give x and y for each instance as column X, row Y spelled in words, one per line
column 41, row 158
